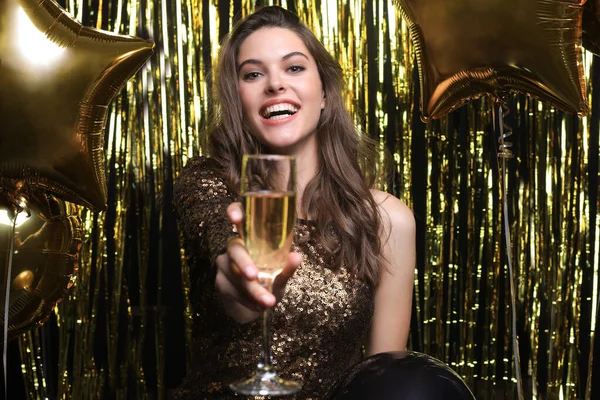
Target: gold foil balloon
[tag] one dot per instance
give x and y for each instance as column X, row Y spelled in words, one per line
column 57, row 79
column 46, row 241
column 468, row 48
column 591, row 26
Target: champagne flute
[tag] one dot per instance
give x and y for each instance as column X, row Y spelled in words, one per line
column 268, row 190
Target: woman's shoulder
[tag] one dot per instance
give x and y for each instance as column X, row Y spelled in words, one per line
column 196, row 170
column 200, row 178
column 398, row 221
column 393, row 210
column 200, row 164
column 398, row 234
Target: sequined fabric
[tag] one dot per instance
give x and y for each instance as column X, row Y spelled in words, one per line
column 318, row 327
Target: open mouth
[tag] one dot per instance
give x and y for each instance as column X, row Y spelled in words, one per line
column 279, row 111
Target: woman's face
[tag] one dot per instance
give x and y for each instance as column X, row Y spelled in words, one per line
column 280, row 88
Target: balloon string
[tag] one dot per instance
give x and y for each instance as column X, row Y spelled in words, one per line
column 7, row 302
column 504, row 148
column 588, row 388
column 504, row 152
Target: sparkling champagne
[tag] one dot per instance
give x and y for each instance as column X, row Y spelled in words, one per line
column 269, row 228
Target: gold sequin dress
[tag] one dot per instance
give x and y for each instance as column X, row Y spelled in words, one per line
column 318, row 327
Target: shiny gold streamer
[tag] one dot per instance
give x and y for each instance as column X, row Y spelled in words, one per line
column 32, row 365
column 443, row 170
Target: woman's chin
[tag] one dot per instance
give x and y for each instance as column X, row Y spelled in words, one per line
column 289, row 143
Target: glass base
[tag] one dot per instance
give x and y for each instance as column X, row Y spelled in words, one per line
column 265, row 383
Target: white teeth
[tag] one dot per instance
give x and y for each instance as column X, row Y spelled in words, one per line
column 278, row 117
column 292, row 109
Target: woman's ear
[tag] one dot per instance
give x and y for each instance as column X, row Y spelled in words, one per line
column 323, row 101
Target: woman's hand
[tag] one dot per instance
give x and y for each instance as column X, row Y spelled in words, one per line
column 244, row 298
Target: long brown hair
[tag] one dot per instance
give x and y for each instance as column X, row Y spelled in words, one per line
column 338, row 199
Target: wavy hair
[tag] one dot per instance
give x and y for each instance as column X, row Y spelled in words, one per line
column 338, row 199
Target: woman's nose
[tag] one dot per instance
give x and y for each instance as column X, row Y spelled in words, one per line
column 275, row 84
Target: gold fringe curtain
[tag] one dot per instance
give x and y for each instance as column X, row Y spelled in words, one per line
column 124, row 328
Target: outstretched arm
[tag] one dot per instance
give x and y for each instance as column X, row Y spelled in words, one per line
column 393, row 296
column 206, row 210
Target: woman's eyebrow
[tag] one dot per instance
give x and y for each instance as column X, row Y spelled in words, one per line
column 248, row 61
column 254, row 61
column 292, row 54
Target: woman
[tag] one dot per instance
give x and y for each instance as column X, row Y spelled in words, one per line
column 349, row 280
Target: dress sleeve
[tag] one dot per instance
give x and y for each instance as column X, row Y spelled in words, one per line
column 201, row 199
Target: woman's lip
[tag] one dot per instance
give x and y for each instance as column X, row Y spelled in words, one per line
column 281, row 121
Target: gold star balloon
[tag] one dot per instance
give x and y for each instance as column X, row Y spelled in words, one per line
column 468, row 48
column 591, row 26
column 57, row 79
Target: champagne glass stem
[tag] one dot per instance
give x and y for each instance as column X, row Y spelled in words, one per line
column 266, row 358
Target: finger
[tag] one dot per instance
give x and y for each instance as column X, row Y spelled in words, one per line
column 239, row 256
column 227, row 267
column 229, row 291
column 259, row 294
column 234, row 274
column 235, row 213
column 294, row 261
column 235, row 269
column 249, row 293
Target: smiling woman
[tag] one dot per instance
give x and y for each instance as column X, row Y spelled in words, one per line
column 348, row 281
column 281, row 91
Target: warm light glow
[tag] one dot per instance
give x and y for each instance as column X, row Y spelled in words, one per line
column 5, row 219
column 36, row 47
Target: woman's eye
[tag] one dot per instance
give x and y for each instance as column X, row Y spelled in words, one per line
column 296, row 68
column 251, row 75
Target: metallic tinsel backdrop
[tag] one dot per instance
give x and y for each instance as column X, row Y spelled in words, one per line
column 123, row 330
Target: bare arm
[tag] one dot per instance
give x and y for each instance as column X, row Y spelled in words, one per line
column 393, row 297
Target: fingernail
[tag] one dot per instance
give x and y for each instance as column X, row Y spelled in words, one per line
column 250, row 272
column 266, row 299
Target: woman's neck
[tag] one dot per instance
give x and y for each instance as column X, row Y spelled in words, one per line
column 307, row 162
column 306, row 168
